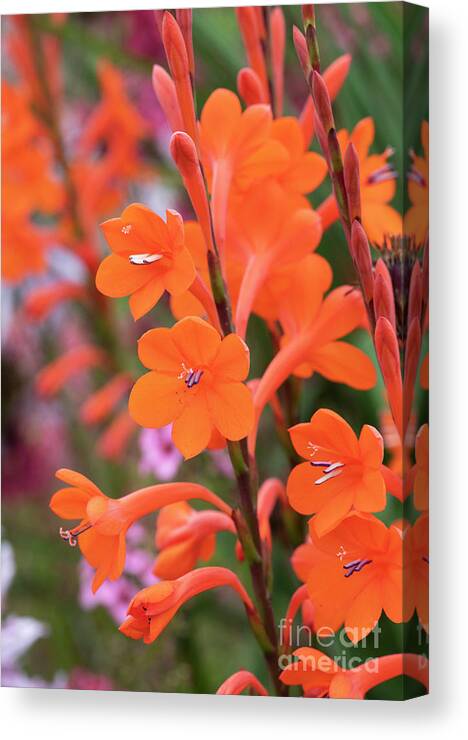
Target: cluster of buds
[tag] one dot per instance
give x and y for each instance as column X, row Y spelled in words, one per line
column 395, row 289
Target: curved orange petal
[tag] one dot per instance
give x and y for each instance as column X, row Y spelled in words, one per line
column 70, row 503
column 78, row 480
column 344, row 363
column 219, row 121
column 364, row 612
column 182, row 274
column 371, row 445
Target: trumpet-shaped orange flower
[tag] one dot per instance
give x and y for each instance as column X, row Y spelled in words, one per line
column 239, row 682
column 262, row 246
column 104, row 521
column 196, row 382
column 148, row 257
column 153, row 608
column 342, row 472
column 378, row 185
column 416, row 219
column 421, row 469
column 313, row 328
column 237, row 150
column 354, row 573
column 184, row 536
column 320, row 675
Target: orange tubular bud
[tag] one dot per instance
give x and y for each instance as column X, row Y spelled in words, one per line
column 270, row 492
column 251, row 32
column 300, row 45
column 413, row 350
column 384, row 301
column 278, row 40
column 114, row 440
column 40, row 302
column 184, row 19
column 101, row 403
column 239, row 682
column 178, row 61
column 388, row 355
column 322, row 102
column 56, row 374
column 152, row 609
column 249, row 87
column 166, row 94
column 415, row 299
column 185, row 156
column 361, row 255
column 334, row 76
column 352, row 182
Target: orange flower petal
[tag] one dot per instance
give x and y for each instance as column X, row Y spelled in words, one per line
column 197, row 341
column 154, row 400
column 231, row 409
column 146, row 297
column 157, row 351
column 116, row 277
column 344, row 363
column 233, row 359
column 191, row 431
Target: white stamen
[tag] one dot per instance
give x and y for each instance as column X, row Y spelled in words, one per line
column 328, row 476
column 144, row 259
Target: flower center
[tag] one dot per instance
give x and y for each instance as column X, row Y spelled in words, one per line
column 331, row 470
column 384, row 173
column 147, row 258
column 190, row 376
column 355, row 566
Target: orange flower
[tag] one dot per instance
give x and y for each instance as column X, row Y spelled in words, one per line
column 57, row 373
column 195, row 381
column 377, row 185
column 239, row 682
column 104, row 521
column 153, row 608
column 148, row 257
column 416, row 219
column 421, row 469
column 312, row 328
column 342, row 472
column 353, row 573
column 261, row 246
column 320, row 676
column 237, row 150
column 184, row 536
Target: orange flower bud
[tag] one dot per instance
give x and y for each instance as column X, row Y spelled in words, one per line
column 41, row 301
column 301, row 51
column 361, row 255
column 165, row 91
column 386, row 347
column 334, row 76
column 251, row 32
column 184, row 19
column 277, row 45
column 384, row 301
column 56, row 374
column 101, row 403
column 322, row 102
column 178, row 61
column 415, row 298
column 352, row 181
column 249, row 86
column 114, row 440
column 412, row 352
column 185, row 156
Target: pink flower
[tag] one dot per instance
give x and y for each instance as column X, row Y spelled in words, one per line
column 159, row 456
